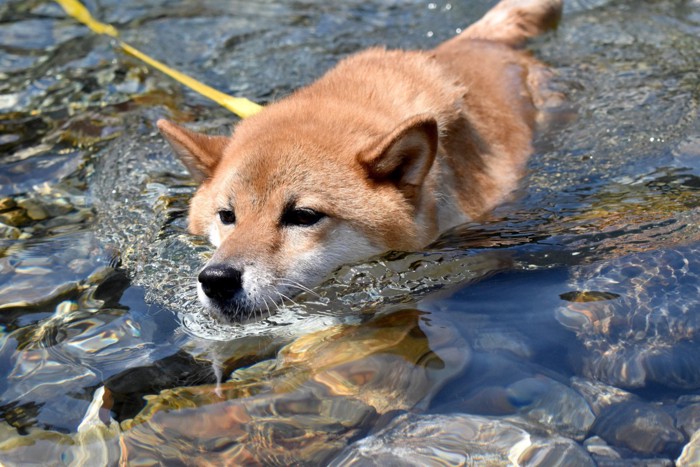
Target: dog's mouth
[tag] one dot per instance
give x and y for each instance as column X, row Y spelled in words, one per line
column 239, row 308
column 241, row 313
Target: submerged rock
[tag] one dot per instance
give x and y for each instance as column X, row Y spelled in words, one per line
column 7, row 203
column 554, row 406
column 688, row 419
column 600, row 449
column 691, row 452
column 599, row 395
column 302, row 427
column 95, row 443
column 633, row 462
column 36, row 447
column 41, row 273
column 499, row 384
column 460, row 439
column 15, row 218
column 322, row 391
column 646, row 329
column 9, row 233
column 639, row 427
column 97, row 439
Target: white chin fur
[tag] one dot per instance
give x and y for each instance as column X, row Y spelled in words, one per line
column 214, row 236
column 203, row 299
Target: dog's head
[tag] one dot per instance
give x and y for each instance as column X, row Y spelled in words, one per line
column 286, row 202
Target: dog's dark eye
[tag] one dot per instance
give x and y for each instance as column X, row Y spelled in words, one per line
column 303, row 217
column 227, row 217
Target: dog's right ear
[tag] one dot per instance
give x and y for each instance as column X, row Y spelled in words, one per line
column 199, row 152
column 404, row 157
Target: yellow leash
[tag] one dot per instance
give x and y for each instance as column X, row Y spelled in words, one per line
column 238, row 105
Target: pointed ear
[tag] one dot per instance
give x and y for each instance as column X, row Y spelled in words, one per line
column 199, row 152
column 404, row 156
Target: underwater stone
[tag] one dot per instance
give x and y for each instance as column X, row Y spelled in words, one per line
column 460, row 439
column 599, row 448
column 691, row 452
column 58, row 207
column 6, row 204
column 554, row 406
column 33, row 209
column 633, row 462
column 555, row 451
column 648, row 334
column 688, row 419
column 37, row 447
column 8, row 232
column 81, row 266
column 323, row 390
column 32, row 292
column 33, row 270
column 37, row 375
column 14, row 218
column 97, row 439
column 302, row 427
column 640, row 427
column 599, row 395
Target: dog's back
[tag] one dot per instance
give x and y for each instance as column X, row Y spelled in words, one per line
column 505, row 89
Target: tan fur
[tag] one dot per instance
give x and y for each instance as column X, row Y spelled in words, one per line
column 393, row 146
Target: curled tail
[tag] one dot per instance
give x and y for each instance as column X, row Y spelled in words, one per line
column 512, row 22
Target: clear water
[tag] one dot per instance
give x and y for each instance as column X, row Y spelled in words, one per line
column 569, row 320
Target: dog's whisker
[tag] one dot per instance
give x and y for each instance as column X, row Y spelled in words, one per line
column 274, row 304
column 267, row 307
column 286, row 297
column 298, row 285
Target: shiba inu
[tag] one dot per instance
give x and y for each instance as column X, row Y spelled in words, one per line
column 384, row 152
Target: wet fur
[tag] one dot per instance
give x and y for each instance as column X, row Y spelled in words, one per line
column 393, row 146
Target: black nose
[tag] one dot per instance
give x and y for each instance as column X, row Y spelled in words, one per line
column 220, row 282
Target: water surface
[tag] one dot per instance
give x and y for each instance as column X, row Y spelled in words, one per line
column 563, row 328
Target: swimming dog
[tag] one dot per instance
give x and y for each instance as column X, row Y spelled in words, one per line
column 383, row 152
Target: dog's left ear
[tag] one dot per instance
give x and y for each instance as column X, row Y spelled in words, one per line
column 199, row 152
column 404, row 156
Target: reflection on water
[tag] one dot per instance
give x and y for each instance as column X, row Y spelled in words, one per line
column 562, row 329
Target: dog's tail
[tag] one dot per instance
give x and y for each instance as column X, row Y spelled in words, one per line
column 512, row 22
